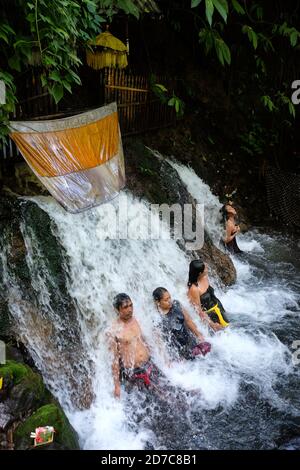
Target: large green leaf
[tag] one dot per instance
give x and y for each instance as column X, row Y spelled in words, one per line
column 238, row 7
column 75, row 77
column 209, row 10
column 4, row 36
column 57, row 92
column 129, row 7
column 195, row 3
column 292, row 109
column 226, row 53
column 254, row 39
column 67, row 86
column 44, row 80
column 268, row 103
column 55, row 76
column 222, row 7
column 294, row 38
column 252, row 36
column 219, row 51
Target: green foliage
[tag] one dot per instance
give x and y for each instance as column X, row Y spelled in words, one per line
column 285, row 100
column 237, row 7
column 265, row 46
column 163, row 94
column 252, row 36
column 250, row 33
column 9, row 105
column 14, row 371
column 289, row 32
column 210, row 6
column 212, row 40
column 268, row 103
column 6, row 32
column 59, row 28
column 195, row 3
column 52, row 35
column 178, row 105
column 109, row 8
column 258, row 140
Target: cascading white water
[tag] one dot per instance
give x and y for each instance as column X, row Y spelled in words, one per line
column 247, row 353
column 201, row 192
column 261, row 300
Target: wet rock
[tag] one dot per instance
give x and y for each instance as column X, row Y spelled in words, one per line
column 49, row 415
column 222, row 264
column 5, row 320
column 292, row 444
column 55, row 322
column 156, row 180
column 23, row 389
column 5, row 417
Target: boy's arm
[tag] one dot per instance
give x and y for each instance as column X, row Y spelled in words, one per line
column 191, row 325
column 113, row 347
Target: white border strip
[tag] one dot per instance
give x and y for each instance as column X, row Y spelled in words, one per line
column 65, row 123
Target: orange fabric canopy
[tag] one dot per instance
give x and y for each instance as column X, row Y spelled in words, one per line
column 56, row 153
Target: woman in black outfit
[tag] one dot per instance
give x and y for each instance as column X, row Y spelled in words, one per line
column 202, row 296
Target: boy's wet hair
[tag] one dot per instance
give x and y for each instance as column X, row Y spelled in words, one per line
column 120, row 299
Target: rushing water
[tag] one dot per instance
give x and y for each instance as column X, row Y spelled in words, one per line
column 242, row 395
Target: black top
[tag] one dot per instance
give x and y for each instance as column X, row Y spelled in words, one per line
column 175, row 331
column 209, row 300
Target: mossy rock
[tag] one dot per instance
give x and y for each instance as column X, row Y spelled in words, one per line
column 65, row 436
column 14, row 372
column 24, row 388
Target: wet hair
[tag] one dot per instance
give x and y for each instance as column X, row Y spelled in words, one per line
column 120, row 299
column 197, row 267
column 158, row 293
column 224, row 213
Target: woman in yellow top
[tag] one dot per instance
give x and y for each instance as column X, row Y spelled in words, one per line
column 202, row 296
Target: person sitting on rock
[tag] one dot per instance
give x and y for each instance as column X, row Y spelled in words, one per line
column 231, row 228
column 202, row 296
column 178, row 329
column 132, row 362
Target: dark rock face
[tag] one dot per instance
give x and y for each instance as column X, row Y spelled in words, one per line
column 23, row 390
column 23, row 314
column 220, row 262
column 5, row 418
column 292, row 444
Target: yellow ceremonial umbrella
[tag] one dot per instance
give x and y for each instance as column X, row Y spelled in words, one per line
column 108, row 51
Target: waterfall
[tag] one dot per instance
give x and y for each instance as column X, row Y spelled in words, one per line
column 241, row 378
